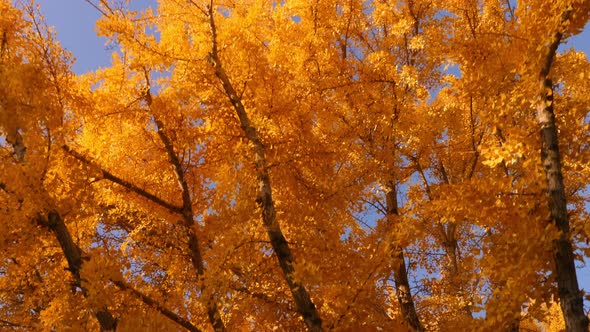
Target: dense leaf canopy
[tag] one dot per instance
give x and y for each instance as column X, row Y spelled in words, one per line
column 258, row 165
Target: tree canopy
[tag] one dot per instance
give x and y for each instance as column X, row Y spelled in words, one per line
column 334, row 165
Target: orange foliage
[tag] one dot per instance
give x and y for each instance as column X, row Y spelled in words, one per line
column 222, row 127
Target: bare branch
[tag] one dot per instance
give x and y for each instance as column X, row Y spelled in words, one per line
column 96, row 7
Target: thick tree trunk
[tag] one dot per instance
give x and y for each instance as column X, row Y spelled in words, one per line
column 305, row 306
column 400, row 274
column 570, row 297
column 72, row 252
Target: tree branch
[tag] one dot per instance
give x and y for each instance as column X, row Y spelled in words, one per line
column 152, row 303
column 187, row 214
column 570, row 297
column 126, row 184
column 305, row 305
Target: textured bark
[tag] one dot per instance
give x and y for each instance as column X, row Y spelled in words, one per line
column 400, row 274
column 305, row 306
column 74, row 257
column 72, row 252
column 570, row 297
column 18, row 147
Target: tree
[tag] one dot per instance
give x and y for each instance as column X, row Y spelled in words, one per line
column 296, row 165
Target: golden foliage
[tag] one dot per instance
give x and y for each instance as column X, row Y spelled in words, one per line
column 347, row 98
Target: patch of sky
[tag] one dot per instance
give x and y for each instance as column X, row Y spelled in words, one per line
column 583, row 271
column 369, row 7
column 444, row 137
column 96, row 85
column 93, row 53
column 224, row 10
column 346, row 234
column 450, row 69
column 266, row 250
column 579, row 42
column 114, row 236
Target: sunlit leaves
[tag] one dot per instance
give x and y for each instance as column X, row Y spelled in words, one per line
column 434, row 97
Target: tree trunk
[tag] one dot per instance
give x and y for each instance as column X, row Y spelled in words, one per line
column 570, row 297
column 448, row 234
column 400, row 274
column 74, row 257
column 75, row 260
column 188, row 218
column 185, row 211
column 451, row 249
column 305, row 305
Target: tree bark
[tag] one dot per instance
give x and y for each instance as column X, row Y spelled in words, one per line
column 74, row 257
column 451, row 249
column 448, row 234
column 514, row 326
column 72, row 252
column 75, row 260
column 305, row 305
column 400, row 273
column 126, row 184
column 570, row 297
column 185, row 210
column 152, row 303
column 189, row 221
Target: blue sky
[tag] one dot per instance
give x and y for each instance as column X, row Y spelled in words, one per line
column 74, row 24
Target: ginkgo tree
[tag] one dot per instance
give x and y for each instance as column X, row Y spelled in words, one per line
column 297, row 165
